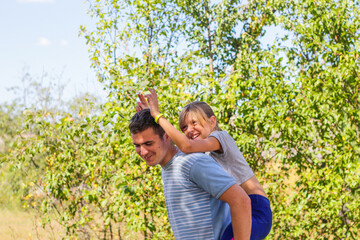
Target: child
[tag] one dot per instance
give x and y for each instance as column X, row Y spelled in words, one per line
column 202, row 134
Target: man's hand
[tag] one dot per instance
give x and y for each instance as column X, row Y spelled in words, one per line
column 240, row 209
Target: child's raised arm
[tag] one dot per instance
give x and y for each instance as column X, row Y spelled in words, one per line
column 185, row 144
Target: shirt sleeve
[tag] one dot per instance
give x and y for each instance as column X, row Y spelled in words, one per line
column 210, row 176
column 221, row 138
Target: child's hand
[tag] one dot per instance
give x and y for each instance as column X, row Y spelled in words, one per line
column 152, row 100
column 142, row 104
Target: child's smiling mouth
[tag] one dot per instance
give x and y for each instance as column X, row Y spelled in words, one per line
column 195, row 136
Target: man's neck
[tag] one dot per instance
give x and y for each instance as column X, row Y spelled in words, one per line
column 170, row 154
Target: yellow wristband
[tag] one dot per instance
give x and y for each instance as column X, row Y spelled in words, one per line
column 157, row 117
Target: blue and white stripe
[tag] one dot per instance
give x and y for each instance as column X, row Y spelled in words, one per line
column 189, row 206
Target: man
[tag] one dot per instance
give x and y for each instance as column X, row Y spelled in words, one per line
column 196, row 187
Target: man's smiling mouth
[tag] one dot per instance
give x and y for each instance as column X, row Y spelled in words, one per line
column 147, row 157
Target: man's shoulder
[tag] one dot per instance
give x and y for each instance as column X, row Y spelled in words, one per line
column 194, row 156
column 189, row 160
column 183, row 165
column 194, row 160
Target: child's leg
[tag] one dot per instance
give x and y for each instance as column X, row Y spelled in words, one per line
column 261, row 217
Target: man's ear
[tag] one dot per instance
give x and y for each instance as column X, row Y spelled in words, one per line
column 166, row 137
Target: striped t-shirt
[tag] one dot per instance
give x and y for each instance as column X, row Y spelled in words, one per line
column 192, row 185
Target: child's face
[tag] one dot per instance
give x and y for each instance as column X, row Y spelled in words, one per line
column 195, row 129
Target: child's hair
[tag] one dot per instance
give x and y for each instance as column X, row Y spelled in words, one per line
column 200, row 110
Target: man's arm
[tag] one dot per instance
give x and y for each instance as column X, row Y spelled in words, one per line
column 240, row 209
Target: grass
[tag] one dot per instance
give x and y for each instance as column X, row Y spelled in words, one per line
column 19, row 224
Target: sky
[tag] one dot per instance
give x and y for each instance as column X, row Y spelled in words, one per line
column 41, row 36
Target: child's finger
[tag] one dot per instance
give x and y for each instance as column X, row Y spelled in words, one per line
column 152, row 91
column 143, row 100
column 141, row 96
column 150, row 101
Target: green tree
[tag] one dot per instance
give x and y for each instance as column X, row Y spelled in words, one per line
column 301, row 111
column 292, row 108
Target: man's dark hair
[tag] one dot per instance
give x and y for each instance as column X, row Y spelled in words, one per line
column 143, row 120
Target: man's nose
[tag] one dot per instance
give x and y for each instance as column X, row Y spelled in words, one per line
column 143, row 150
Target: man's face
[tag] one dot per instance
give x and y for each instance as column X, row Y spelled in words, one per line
column 151, row 147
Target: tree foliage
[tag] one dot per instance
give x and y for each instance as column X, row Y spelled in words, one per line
column 292, row 106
